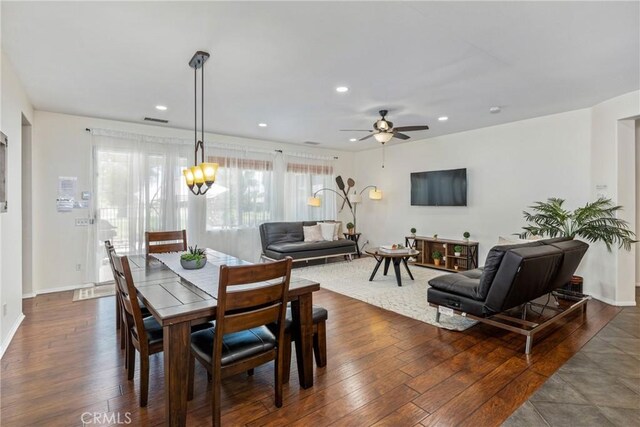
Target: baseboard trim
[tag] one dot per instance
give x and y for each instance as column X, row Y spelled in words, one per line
column 12, row 332
column 62, row 289
column 613, row 302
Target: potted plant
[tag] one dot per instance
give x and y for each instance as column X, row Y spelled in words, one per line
column 193, row 259
column 413, row 232
column 435, row 236
column 455, row 267
column 466, row 236
column 351, row 228
column 437, row 256
column 457, row 250
column 595, row 222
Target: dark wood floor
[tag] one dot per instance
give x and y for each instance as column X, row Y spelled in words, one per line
column 383, row 369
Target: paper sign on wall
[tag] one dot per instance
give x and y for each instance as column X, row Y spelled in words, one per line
column 67, row 187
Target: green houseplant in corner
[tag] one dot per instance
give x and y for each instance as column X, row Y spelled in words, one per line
column 193, row 259
column 595, row 222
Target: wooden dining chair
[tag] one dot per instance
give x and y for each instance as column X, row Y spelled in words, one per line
column 111, row 253
column 165, row 241
column 319, row 316
column 240, row 339
column 143, row 334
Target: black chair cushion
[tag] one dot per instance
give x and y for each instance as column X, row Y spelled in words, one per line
column 153, row 330
column 289, row 247
column 320, row 314
column 236, row 346
column 459, row 284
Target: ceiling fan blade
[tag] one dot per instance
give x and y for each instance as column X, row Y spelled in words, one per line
column 366, row 137
column 356, row 130
column 411, row 128
column 400, row 135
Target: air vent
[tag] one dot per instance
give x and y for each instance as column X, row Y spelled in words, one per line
column 151, row 119
column 311, row 143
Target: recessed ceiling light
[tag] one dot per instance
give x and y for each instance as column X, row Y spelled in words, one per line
column 342, row 89
column 262, row 125
column 161, row 108
column 495, row 110
column 443, row 118
column 353, row 139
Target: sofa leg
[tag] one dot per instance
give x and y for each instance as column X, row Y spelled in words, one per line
column 437, row 316
column 527, row 347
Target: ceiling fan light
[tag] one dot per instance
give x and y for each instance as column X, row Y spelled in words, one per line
column 382, row 125
column 383, row 137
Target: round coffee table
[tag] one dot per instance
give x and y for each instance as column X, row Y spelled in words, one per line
column 389, row 256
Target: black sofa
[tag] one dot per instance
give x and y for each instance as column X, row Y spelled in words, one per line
column 283, row 239
column 513, row 276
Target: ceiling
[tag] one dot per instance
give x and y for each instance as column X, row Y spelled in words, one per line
column 280, row 62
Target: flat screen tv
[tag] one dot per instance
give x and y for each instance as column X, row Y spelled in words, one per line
column 439, row 188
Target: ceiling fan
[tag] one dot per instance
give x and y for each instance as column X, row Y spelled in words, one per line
column 383, row 130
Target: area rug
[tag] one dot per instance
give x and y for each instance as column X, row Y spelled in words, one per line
column 94, row 292
column 351, row 278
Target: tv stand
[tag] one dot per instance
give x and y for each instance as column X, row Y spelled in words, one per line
column 468, row 259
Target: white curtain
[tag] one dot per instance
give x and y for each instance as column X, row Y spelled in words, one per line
column 138, row 187
column 244, row 196
column 304, row 175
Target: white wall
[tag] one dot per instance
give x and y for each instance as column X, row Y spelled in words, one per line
column 508, row 167
column 14, row 104
column 610, row 276
column 637, row 200
column 61, row 147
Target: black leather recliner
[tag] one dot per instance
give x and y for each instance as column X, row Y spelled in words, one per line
column 513, row 275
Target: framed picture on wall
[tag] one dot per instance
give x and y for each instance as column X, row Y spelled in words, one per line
column 3, row 172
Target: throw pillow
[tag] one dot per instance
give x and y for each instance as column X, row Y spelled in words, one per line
column 328, row 230
column 312, row 233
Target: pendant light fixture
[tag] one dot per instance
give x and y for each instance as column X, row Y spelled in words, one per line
column 199, row 177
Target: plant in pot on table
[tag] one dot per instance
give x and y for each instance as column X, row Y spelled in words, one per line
column 457, row 250
column 437, row 256
column 193, row 259
column 351, row 228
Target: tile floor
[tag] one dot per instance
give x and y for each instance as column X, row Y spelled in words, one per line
column 599, row 386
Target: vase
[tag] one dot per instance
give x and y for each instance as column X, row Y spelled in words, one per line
column 193, row 264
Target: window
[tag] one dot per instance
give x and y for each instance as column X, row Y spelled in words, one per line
column 303, row 178
column 242, row 195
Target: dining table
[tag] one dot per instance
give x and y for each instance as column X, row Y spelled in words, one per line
column 177, row 303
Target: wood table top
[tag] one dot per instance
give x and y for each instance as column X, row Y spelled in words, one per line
column 171, row 298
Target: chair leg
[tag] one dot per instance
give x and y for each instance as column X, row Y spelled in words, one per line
column 320, row 345
column 131, row 358
column 286, row 357
column 209, row 377
column 192, row 368
column 279, row 375
column 215, row 402
column 144, row 379
column 250, row 372
column 123, row 336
